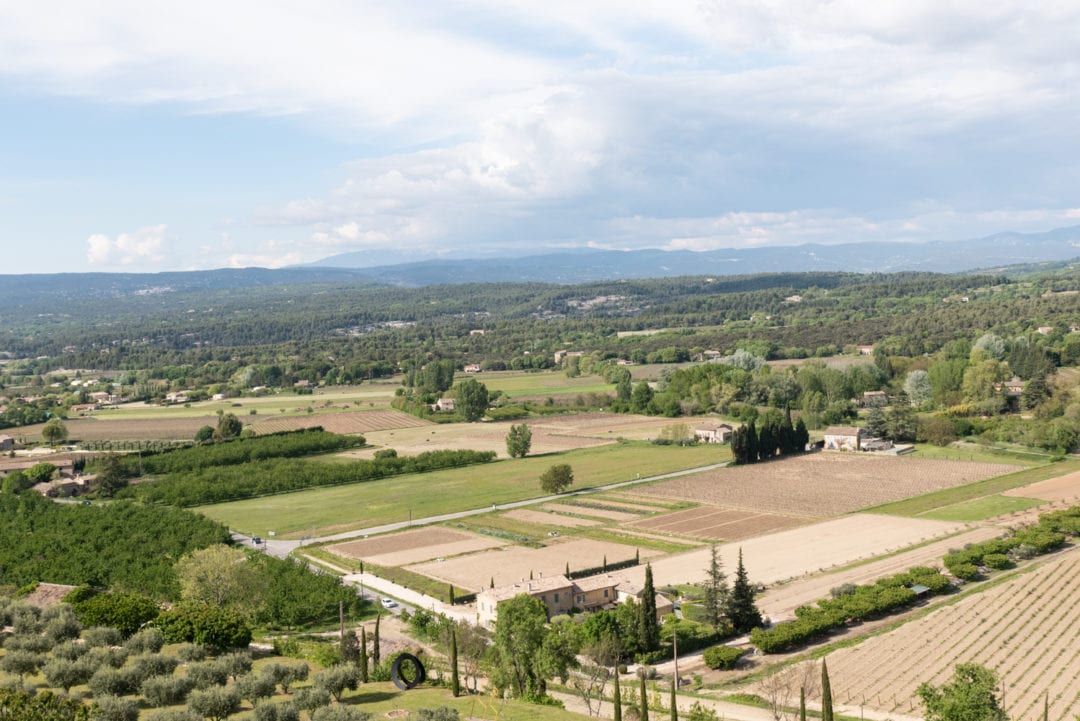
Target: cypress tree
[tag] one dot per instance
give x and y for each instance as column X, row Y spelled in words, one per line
column 647, row 624
column 375, row 643
column 742, row 611
column 802, row 436
column 618, row 695
column 826, row 694
column 363, row 655
column 787, row 435
column 674, row 705
column 451, row 595
column 568, row 569
column 455, row 679
column 645, row 701
column 738, row 447
column 751, row 442
column 492, row 582
column 802, row 703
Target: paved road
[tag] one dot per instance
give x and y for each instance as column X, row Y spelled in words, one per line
column 284, row 548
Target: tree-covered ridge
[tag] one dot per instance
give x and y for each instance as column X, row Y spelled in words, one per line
column 123, row 545
column 287, row 444
column 217, row 484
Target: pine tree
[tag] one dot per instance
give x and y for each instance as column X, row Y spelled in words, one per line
column 455, row 679
column 674, row 705
column 716, row 589
column 648, row 626
column 363, row 655
column 618, row 695
column 645, row 701
column 741, row 610
column 826, row 694
column 375, row 643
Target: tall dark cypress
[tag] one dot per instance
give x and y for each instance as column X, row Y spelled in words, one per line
column 617, row 700
column 363, row 655
column 375, row 643
column 674, row 704
column 751, row 442
column 647, row 623
column 826, row 694
column 645, row 701
column 742, row 610
column 455, row 679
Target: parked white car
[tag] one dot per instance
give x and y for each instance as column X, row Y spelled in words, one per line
column 388, row 603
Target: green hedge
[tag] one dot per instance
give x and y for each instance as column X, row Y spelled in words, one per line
column 722, row 657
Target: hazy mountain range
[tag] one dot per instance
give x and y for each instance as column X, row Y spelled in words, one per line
column 993, row 253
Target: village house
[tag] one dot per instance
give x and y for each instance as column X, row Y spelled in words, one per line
column 874, row 399
column 1010, row 388
column 476, row 331
column 843, row 438
column 176, row 397
column 443, row 404
column 1045, row 329
column 561, row 354
column 865, row 349
column 713, row 433
column 83, row 408
column 6, row 443
column 302, row 383
column 560, row 595
column 472, row 368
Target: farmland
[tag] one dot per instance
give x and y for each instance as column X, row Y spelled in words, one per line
column 342, row 508
column 1027, row 629
column 345, row 422
column 399, row 549
column 825, row 484
column 510, row 564
column 718, row 523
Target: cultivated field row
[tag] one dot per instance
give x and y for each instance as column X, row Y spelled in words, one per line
column 1028, row 630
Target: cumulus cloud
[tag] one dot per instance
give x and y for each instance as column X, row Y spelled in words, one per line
column 142, row 247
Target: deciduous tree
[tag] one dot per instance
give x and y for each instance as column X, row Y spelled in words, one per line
column 519, row 440
column 557, row 478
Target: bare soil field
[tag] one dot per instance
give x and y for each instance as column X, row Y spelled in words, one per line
column 422, row 544
column 719, row 523
column 1063, row 488
column 1028, row 630
column 780, row 602
column 592, row 512
column 527, row 515
column 793, row 553
column 825, row 484
column 344, row 423
column 510, row 564
column 474, row 436
column 147, row 429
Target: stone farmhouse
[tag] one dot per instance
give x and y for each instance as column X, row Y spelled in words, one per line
column 843, row 438
column 713, row 433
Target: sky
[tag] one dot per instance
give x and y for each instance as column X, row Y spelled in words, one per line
column 145, row 136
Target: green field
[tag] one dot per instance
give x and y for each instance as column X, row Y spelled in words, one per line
column 361, row 505
column 971, row 452
column 929, row 502
column 980, row 509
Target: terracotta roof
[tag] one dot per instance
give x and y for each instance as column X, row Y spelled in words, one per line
column 843, row 431
column 533, row 587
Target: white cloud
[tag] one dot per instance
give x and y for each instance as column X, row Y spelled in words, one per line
column 143, row 247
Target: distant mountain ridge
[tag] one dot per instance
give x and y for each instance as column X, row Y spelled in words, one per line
column 580, row 266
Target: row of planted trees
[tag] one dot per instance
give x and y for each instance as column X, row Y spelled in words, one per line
column 772, row 435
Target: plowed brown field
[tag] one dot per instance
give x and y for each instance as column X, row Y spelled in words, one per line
column 719, row 523
column 351, row 422
column 826, row 484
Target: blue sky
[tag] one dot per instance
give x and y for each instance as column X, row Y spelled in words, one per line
column 149, row 136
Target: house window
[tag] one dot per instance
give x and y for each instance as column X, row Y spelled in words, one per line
column 544, row 598
column 556, row 598
column 605, row 593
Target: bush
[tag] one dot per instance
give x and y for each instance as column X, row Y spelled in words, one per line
column 125, row 612
column 108, row 657
column 215, row 703
column 285, row 675
column 166, row 690
column 722, row 657
column 339, row 713
column 190, row 652
column 102, row 636
column 149, row 640
column 111, row 708
column 176, row 715
column 70, row 651
column 207, row 674
column 277, row 712
column 965, row 571
column 443, row 713
column 62, row 673
column 997, row 561
column 211, row 626
column 114, row 682
column 255, row 688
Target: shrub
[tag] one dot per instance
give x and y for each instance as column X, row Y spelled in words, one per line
column 114, row 682
column 312, row 697
column 339, row 713
column 108, row 657
column 176, row 715
column 207, row 674
column 255, row 688
column 337, row 679
column 997, row 561
column 215, row 703
column 149, row 640
column 277, row 712
column 965, row 571
column 111, row 708
column 63, row 673
column 166, row 690
column 237, row 664
column 125, row 612
column 722, row 657
column 190, row 652
column 70, row 651
column 285, row 675
column 155, row 664
column 443, row 713
column 211, row 626
column 102, row 636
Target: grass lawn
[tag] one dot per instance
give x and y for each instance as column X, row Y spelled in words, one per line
column 360, row 505
column 979, row 509
column 925, row 504
column 378, row 698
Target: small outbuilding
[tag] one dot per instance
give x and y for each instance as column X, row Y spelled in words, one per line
column 843, row 438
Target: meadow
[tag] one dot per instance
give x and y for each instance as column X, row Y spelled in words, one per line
column 362, row 505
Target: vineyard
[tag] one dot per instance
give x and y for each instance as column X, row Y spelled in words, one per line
column 344, row 423
column 1028, row 630
column 826, row 484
